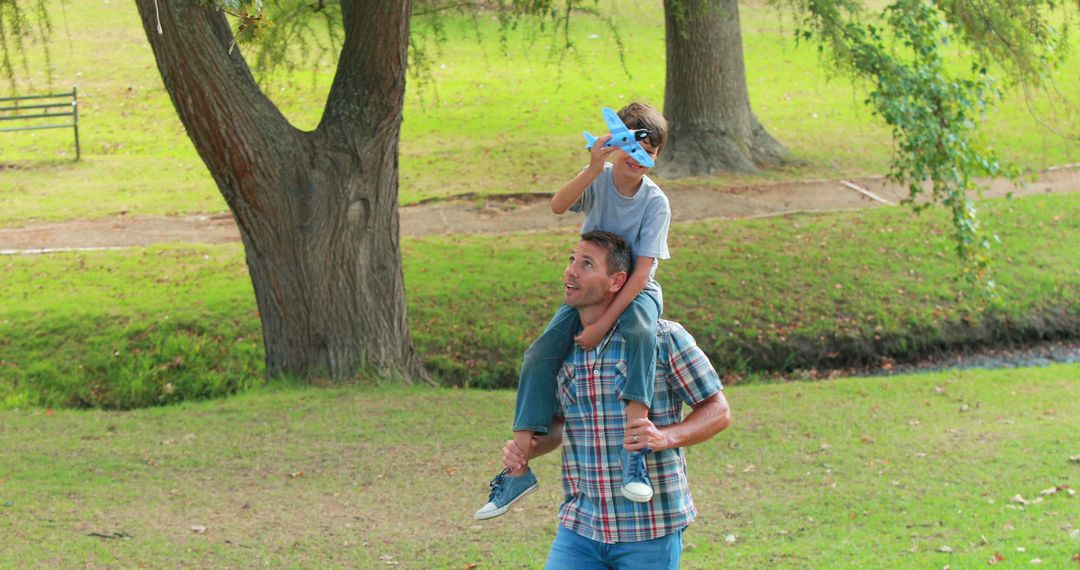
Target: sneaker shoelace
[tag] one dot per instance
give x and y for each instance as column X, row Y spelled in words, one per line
column 497, row 483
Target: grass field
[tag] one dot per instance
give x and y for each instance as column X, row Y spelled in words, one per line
column 475, row 128
column 848, row 473
column 162, row 324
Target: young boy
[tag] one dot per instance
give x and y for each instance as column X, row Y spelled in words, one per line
column 619, row 198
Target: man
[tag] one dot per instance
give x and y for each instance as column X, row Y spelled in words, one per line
column 599, row 527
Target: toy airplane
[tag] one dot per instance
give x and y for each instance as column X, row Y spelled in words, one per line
column 623, row 138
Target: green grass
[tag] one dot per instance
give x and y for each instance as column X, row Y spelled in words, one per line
column 847, row 473
column 149, row 326
column 488, row 123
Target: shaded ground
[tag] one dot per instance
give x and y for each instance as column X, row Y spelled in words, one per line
column 499, row 214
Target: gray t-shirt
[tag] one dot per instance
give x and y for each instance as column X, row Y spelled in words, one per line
column 642, row 219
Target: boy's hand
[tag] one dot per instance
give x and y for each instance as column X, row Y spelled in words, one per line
column 590, row 337
column 599, row 153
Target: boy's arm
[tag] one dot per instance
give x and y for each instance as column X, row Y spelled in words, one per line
column 594, row 332
column 514, row 458
column 571, row 191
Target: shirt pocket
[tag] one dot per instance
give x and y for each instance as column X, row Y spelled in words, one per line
column 566, row 388
column 619, row 381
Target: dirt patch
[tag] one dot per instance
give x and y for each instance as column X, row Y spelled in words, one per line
column 517, row 212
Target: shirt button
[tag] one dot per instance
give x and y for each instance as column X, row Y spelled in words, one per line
column 598, row 403
column 596, row 371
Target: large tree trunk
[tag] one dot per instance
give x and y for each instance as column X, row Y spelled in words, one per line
column 317, row 211
column 705, row 99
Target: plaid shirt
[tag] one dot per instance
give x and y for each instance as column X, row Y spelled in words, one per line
column 589, row 388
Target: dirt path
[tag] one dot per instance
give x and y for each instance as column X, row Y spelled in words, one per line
column 499, row 214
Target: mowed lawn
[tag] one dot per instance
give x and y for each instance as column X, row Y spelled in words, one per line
column 949, row 469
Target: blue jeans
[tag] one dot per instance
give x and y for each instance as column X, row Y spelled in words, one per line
column 536, row 402
column 571, row 551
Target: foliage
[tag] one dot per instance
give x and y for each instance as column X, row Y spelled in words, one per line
column 933, row 112
column 23, row 26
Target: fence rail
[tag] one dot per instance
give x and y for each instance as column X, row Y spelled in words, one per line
column 69, row 102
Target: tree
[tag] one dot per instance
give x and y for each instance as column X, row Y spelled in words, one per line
column 317, row 211
column 706, row 100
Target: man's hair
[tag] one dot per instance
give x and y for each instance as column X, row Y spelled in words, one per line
column 618, row 252
column 642, row 116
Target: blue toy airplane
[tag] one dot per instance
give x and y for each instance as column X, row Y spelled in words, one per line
column 623, row 138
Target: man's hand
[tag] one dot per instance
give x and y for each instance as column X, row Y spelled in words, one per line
column 646, row 434
column 590, row 337
column 513, row 458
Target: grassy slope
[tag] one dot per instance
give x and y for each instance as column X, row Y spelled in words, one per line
column 150, row 326
column 488, row 124
column 896, row 468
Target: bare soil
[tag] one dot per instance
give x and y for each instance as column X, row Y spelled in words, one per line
column 507, row 213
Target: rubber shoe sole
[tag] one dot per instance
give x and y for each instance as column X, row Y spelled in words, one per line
column 483, row 515
column 637, row 497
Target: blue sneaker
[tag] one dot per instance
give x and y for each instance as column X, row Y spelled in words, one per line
column 635, row 475
column 505, row 491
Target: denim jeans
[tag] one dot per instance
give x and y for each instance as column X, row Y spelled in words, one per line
column 536, row 402
column 571, row 551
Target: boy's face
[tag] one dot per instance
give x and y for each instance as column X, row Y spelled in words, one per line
column 621, row 160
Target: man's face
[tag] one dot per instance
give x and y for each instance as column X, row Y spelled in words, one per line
column 586, row 281
column 622, row 160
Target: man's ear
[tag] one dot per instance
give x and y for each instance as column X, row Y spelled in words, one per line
column 617, row 281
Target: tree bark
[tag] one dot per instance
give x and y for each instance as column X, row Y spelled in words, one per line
column 317, row 211
column 706, row 99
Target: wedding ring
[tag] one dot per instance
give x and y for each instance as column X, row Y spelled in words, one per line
column 635, row 438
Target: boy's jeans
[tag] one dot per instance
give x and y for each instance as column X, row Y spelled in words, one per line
column 571, row 551
column 536, row 401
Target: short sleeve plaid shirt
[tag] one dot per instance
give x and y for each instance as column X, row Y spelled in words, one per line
column 589, row 388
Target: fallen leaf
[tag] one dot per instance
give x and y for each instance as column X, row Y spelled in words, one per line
column 49, row 412
column 1036, row 561
column 198, row 528
column 470, row 566
column 944, row 548
column 296, row 474
column 997, row 557
column 1075, row 458
column 730, row 539
column 1019, row 500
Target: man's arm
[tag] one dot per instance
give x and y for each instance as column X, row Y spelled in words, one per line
column 514, row 459
column 708, row 418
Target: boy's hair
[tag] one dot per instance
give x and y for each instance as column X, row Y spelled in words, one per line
column 642, row 116
column 618, row 252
